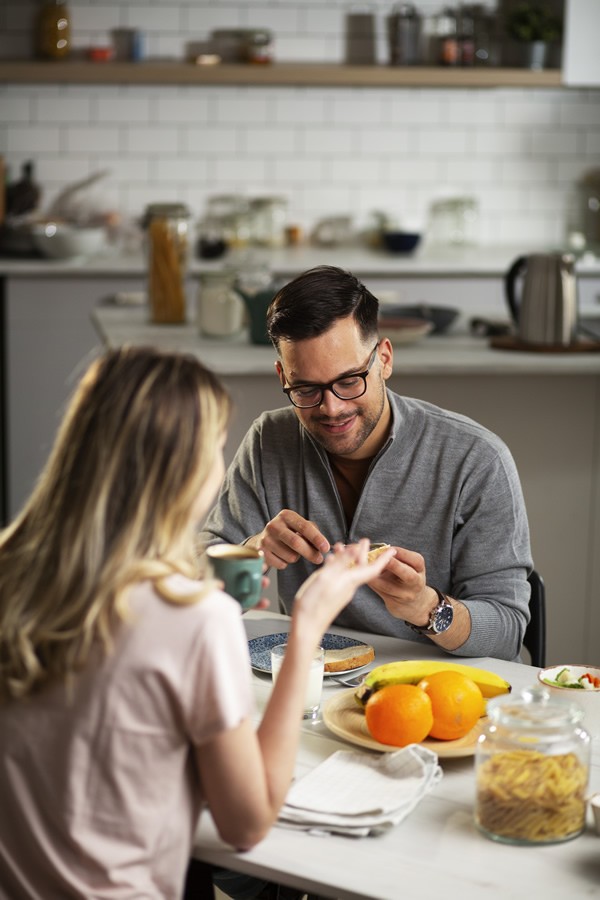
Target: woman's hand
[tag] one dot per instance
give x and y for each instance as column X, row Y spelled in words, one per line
column 328, row 590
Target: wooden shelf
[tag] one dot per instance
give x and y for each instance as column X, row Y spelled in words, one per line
column 286, row 74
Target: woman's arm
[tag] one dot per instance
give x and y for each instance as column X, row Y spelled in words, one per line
column 246, row 774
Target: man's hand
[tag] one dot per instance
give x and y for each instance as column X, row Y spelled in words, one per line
column 403, row 587
column 288, row 537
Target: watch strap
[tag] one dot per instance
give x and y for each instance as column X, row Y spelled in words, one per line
column 430, row 629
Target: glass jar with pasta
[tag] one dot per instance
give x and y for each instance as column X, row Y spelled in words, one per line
column 532, row 769
column 167, row 227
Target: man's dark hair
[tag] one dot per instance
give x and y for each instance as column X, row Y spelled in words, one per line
column 313, row 302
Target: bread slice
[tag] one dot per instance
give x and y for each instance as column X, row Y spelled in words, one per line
column 376, row 550
column 348, row 658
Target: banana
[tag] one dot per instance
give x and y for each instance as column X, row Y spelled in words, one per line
column 408, row 671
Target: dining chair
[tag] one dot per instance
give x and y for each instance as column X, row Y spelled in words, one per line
column 535, row 633
column 198, row 881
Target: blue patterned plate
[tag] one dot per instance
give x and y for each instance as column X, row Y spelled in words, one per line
column 260, row 649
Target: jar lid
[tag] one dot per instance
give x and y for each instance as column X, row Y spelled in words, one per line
column 535, row 708
column 167, row 210
column 260, row 202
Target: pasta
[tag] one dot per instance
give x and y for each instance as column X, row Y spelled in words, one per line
column 524, row 795
column 168, row 250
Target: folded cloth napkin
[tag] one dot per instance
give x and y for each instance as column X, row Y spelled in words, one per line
column 359, row 794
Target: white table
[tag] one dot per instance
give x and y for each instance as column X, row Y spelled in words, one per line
column 437, row 851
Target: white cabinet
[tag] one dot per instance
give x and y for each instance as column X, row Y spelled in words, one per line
column 49, row 340
column 581, row 50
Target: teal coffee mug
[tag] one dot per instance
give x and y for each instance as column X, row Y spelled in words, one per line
column 240, row 569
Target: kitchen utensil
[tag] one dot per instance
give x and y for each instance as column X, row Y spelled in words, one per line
column 546, row 312
column 404, row 331
column 59, row 241
column 404, row 35
column 360, row 39
column 400, row 241
column 349, row 682
column 442, row 317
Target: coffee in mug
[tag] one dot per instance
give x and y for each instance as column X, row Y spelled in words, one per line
column 240, row 568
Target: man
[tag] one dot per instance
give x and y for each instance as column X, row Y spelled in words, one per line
column 349, row 458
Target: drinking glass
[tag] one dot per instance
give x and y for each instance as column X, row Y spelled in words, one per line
column 314, row 687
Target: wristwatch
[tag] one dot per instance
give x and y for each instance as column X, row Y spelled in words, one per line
column 440, row 619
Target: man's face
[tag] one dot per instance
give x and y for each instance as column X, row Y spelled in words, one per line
column 353, row 428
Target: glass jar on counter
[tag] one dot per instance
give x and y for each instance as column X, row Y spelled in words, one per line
column 168, row 255
column 229, row 213
column 454, row 220
column 267, row 221
column 532, row 768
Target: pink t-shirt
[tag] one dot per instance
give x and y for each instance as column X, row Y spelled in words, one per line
column 99, row 793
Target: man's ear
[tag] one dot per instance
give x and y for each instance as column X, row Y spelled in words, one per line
column 386, row 355
column 280, row 372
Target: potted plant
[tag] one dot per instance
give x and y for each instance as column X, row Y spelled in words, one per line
column 533, row 25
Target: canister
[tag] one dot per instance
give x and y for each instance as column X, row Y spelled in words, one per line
column 532, row 769
column 168, row 253
column 221, row 312
column 267, row 221
column 53, row 33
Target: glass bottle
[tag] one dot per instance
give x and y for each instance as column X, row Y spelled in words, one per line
column 532, row 770
column 168, row 254
column 447, row 32
column 53, row 32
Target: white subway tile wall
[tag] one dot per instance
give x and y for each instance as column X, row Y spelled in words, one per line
column 330, row 151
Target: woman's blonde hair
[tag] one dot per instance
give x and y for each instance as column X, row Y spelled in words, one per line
column 113, row 506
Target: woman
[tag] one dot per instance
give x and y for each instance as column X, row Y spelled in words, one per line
column 125, row 687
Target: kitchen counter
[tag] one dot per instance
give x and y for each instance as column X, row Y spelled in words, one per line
column 486, row 261
column 456, row 353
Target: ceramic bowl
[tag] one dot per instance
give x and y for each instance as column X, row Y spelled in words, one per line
column 441, row 316
column 402, row 330
column 59, row 241
column 588, row 700
column 400, row 241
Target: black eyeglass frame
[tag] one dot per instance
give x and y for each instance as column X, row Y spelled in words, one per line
column 288, row 391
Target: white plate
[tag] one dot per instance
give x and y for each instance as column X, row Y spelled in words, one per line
column 345, row 718
column 260, row 649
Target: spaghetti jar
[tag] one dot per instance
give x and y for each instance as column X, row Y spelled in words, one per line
column 168, row 253
column 532, row 769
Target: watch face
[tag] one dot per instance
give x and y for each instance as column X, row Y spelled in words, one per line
column 443, row 618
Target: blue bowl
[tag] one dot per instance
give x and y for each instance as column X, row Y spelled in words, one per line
column 400, row 241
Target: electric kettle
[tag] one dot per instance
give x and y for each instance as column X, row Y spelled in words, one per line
column 546, row 311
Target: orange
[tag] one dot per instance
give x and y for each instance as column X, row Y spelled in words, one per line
column 399, row 714
column 456, row 701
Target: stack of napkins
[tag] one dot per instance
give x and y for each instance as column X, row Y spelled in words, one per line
column 359, row 794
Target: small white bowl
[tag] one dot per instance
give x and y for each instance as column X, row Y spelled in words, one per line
column 588, row 700
column 402, row 330
column 59, row 241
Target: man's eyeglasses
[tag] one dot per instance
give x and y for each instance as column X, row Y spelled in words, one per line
column 305, row 396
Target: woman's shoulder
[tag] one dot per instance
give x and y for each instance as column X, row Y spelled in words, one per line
column 180, row 596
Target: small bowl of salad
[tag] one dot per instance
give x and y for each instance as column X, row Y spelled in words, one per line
column 580, row 684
